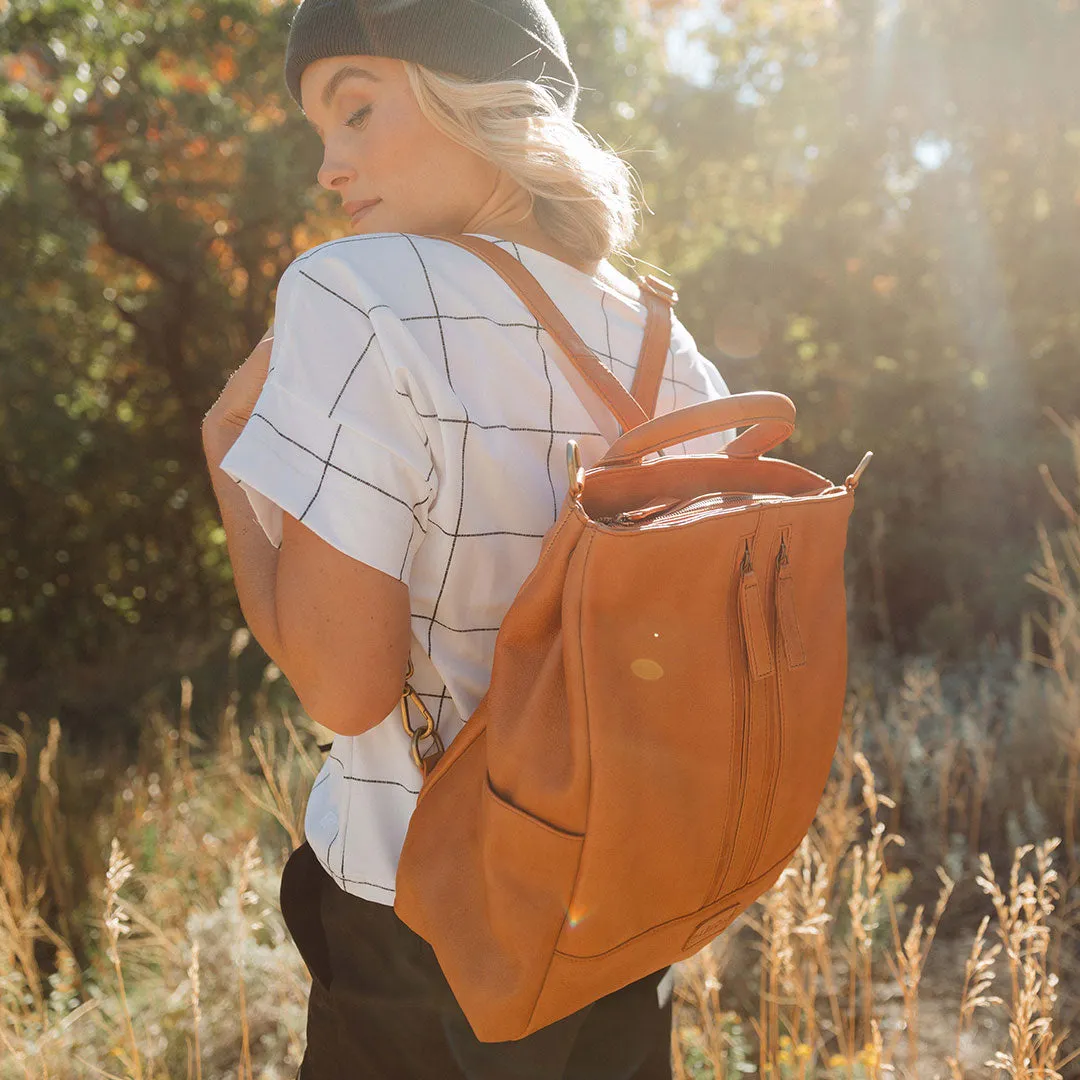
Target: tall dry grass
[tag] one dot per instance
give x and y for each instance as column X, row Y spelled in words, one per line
column 190, row 971
column 923, row 929
column 840, row 967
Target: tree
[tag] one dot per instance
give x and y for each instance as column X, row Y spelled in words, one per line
column 873, row 209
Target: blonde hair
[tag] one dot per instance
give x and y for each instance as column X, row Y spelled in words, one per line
column 581, row 192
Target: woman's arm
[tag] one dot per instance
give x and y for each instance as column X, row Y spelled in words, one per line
column 338, row 629
column 254, row 559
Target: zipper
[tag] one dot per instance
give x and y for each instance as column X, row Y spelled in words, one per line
column 781, row 617
column 733, row 816
column 760, row 686
column 687, row 508
column 760, row 668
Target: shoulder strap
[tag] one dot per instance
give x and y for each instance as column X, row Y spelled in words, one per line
column 600, row 391
column 658, row 298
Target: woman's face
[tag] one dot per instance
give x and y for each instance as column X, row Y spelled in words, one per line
column 378, row 145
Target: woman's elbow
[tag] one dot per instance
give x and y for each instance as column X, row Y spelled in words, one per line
column 348, row 714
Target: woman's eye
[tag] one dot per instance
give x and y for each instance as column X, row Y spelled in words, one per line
column 358, row 117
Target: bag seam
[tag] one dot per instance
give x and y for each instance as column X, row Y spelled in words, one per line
column 719, row 875
column 588, row 805
column 678, row 918
column 545, row 549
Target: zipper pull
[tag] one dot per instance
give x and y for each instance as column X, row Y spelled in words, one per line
column 642, row 513
column 747, row 564
column 628, row 517
column 752, row 617
column 785, row 608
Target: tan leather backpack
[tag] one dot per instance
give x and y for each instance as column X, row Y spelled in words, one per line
column 664, row 706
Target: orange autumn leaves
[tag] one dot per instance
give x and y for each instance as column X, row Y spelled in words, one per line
column 197, row 75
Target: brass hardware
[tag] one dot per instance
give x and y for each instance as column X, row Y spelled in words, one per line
column 574, row 470
column 852, row 482
column 424, row 762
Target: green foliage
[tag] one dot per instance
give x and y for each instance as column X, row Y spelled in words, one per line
column 153, row 188
column 920, row 164
column 874, row 211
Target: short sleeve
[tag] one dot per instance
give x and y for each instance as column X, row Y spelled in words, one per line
column 334, row 438
column 707, row 383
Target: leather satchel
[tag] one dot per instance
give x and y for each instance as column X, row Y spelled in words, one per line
column 664, row 707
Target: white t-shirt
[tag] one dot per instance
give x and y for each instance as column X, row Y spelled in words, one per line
column 414, row 417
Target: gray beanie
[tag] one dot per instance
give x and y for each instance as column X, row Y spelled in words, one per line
column 481, row 40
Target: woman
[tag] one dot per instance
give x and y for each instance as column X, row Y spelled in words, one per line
column 404, row 458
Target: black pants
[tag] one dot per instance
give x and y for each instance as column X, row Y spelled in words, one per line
column 381, row 1009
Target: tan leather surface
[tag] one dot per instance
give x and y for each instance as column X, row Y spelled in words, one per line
column 664, row 706
column 654, row 349
column 770, row 417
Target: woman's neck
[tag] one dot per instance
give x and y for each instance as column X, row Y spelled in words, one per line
column 507, row 213
column 540, row 241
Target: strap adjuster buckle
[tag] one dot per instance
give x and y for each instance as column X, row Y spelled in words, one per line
column 661, row 288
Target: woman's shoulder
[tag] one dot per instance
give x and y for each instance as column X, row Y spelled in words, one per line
column 397, row 274
column 377, row 255
column 369, row 258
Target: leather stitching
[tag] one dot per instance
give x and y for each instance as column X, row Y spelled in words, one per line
column 703, row 930
column 744, row 616
column 587, row 958
column 587, row 541
column 631, row 455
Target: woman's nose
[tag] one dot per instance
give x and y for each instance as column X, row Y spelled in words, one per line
column 334, row 170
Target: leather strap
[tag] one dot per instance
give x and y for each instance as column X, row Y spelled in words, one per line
column 658, row 299
column 770, row 418
column 600, row 391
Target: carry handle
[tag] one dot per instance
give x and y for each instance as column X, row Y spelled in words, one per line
column 770, row 418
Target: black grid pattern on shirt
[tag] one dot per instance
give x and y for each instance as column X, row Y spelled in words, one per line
column 551, row 431
column 466, row 422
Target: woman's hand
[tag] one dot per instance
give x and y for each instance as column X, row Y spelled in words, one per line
column 233, row 408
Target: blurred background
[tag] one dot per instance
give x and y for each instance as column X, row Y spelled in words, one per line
column 872, row 206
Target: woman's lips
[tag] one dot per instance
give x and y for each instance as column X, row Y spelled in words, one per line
column 357, row 210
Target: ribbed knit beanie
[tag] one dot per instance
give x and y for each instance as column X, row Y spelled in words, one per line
column 482, row 40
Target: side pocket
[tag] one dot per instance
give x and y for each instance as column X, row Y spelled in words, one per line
column 525, row 816
column 519, row 906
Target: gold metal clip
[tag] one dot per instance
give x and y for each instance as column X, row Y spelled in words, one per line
column 424, row 762
column 574, row 470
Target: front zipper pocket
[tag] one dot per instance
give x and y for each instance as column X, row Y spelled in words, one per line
column 760, row 715
column 733, row 817
column 786, row 635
